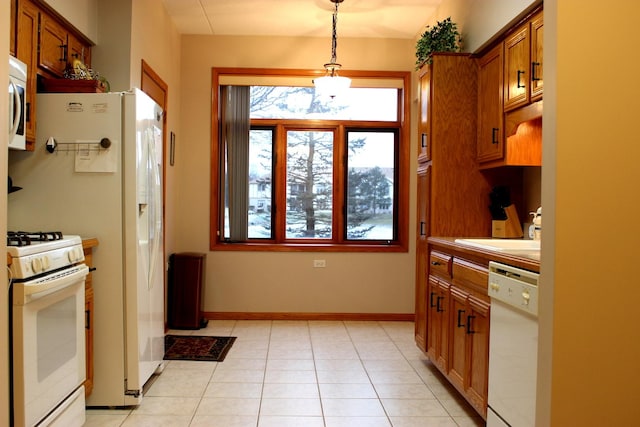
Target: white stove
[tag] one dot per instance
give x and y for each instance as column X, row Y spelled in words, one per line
column 34, row 254
column 48, row 324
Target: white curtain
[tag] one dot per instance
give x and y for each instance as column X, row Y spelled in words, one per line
column 235, row 136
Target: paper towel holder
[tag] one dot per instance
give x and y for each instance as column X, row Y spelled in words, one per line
column 52, row 144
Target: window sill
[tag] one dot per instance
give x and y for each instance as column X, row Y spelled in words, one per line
column 308, row 247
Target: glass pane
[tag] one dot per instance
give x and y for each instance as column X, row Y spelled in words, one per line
column 371, row 104
column 260, row 180
column 370, row 185
column 309, row 184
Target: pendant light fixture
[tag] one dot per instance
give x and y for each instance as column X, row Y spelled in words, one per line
column 331, row 84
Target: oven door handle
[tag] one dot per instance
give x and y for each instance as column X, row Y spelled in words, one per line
column 29, row 291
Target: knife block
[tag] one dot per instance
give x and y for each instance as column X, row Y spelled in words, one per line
column 508, row 228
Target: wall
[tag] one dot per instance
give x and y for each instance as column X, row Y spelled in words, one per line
column 155, row 39
column 592, row 344
column 82, row 13
column 479, row 20
column 283, row 281
column 4, row 301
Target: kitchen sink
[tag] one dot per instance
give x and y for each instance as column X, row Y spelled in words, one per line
column 504, row 245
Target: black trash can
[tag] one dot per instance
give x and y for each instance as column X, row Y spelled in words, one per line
column 185, row 297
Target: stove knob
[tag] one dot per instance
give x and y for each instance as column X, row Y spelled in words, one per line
column 46, row 262
column 36, row 265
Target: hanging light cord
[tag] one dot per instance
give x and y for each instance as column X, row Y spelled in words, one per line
column 334, row 34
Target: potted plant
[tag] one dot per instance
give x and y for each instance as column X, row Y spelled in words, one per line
column 442, row 37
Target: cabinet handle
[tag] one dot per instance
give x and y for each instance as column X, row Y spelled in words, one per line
column 435, row 263
column 28, row 114
column 460, row 324
column 422, row 224
column 438, row 308
column 431, row 304
column 469, row 325
column 423, row 142
column 63, row 51
column 87, row 319
column 520, row 85
column 494, row 135
column 534, row 77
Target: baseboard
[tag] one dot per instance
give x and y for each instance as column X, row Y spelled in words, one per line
column 227, row 315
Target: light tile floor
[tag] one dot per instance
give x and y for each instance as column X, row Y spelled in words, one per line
column 300, row 374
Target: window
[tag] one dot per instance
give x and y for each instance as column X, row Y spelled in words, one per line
column 293, row 170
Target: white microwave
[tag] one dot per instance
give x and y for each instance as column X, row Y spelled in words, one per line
column 17, row 103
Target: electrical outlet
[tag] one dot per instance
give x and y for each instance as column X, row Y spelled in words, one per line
column 319, row 263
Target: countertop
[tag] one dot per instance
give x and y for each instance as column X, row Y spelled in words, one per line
column 528, row 260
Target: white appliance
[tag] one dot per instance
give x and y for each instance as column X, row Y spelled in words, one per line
column 97, row 171
column 48, row 329
column 17, row 103
column 513, row 346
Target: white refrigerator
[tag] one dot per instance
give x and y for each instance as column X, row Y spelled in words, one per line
column 97, row 171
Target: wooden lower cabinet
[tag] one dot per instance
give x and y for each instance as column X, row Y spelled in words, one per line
column 438, row 319
column 87, row 246
column 457, row 324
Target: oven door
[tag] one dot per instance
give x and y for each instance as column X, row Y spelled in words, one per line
column 48, row 354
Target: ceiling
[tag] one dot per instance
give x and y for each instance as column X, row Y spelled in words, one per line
column 305, row 18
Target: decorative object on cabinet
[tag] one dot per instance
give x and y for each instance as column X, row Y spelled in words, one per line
column 442, row 37
column 331, row 84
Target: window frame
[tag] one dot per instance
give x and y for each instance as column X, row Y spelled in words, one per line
column 320, row 245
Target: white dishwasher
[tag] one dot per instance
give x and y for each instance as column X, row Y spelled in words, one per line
column 513, row 346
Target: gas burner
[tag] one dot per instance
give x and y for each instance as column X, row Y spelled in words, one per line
column 25, row 238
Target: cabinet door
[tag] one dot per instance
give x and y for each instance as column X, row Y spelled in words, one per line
column 458, row 347
column 422, row 257
column 478, row 353
column 26, row 48
column 516, row 69
column 53, row 46
column 537, row 70
column 437, row 322
column 490, row 140
column 424, row 127
column 12, row 30
column 78, row 50
column 88, row 333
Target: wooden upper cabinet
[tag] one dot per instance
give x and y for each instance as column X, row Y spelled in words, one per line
column 12, row 29
column 516, row 68
column 53, row 46
column 47, row 44
column 537, row 71
column 424, row 130
column 490, row 144
column 26, row 50
column 523, row 67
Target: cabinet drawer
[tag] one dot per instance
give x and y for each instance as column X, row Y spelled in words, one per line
column 440, row 264
column 471, row 275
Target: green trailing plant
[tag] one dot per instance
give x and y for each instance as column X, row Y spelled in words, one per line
column 442, row 37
